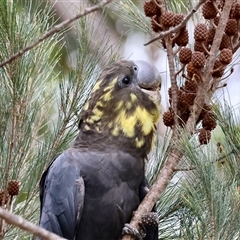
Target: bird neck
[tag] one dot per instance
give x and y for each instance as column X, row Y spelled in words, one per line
column 93, row 140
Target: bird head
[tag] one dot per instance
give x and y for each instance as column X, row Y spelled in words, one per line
column 124, row 107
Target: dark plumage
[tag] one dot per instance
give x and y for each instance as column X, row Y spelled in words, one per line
column 91, row 190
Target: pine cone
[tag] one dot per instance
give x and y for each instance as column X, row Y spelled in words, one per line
column 200, row 32
column 211, row 35
column 13, row 187
column 187, row 98
column 191, row 86
column 150, row 219
column 217, row 69
column 150, row 8
column 154, row 25
column 225, row 56
column 206, row 108
column 198, row 46
column 167, row 19
column 236, row 10
column 178, row 19
column 198, row 59
column 231, row 28
column 225, row 43
column 208, row 10
column 182, row 39
column 209, row 121
column 185, row 55
column 184, row 117
column 4, row 197
column 191, row 70
column 204, row 136
column 168, row 119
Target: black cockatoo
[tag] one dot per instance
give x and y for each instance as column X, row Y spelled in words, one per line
column 92, row 189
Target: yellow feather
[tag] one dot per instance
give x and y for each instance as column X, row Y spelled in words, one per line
column 139, row 143
column 86, row 106
column 127, row 124
column 146, row 120
column 107, row 96
column 97, row 86
column 115, row 131
column 133, row 97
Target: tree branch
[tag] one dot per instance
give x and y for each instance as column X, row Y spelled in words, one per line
column 55, row 29
column 179, row 26
column 22, row 223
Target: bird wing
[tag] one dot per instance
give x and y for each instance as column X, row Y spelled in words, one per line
column 62, row 196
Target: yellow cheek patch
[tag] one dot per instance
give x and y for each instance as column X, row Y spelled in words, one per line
column 128, row 105
column 146, row 120
column 127, row 124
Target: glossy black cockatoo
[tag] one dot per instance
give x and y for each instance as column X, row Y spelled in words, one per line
column 92, row 189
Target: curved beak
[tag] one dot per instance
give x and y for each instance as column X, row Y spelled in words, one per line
column 149, row 79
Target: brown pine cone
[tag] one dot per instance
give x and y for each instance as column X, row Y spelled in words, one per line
column 217, row 69
column 185, row 55
column 167, row 19
column 231, row 28
column 209, row 121
column 191, row 70
column 187, row 98
column 225, row 43
column 204, row 136
column 208, row 10
column 198, row 46
column 200, row 32
column 198, row 59
column 150, row 8
column 236, row 10
column 178, row 19
column 206, row 108
column 184, row 117
column 168, row 118
column 191, row 86
column 150, row 219
column 182, row 39
column 225, row 56
column 13, row 187
column 211, row 35
column 4, row 197
column 154, row 24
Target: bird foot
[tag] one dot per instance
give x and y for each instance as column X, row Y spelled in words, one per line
column 128, row 229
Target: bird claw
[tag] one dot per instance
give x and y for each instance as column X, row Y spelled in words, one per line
column 128, row 229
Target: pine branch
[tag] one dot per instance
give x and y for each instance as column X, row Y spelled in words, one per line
column 56, row 29
column 22, row 223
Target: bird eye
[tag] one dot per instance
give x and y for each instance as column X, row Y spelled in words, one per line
column 126, row 81
column 135, row 68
